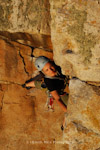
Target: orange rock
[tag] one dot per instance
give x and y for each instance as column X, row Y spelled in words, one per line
column 41, row 52
column 12, row 63
column 93, row 22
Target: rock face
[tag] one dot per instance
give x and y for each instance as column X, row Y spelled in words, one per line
column 69, row 32
column 25, row 122
column 83, row 117
column 75, row 32
column 25, row 16
column 26, row 21
column 13, row 66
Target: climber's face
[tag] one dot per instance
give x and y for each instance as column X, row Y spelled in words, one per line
column 49, row 70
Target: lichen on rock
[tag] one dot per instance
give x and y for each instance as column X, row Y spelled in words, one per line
column 73, row 28
column 85, row 42
column 83, row 116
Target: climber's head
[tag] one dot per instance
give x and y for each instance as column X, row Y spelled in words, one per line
column 45, row 65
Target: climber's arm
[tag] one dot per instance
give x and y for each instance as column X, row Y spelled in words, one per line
column 59, row 101
column 35, row 82
column 30, row 84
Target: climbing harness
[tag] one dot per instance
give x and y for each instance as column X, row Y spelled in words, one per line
column 50, row 102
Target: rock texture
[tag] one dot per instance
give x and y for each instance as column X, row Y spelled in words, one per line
column 75, row 32
column 69, row 29
column 34, row 40
column 83, row 117
column 25, row 122
column 13, row 66
column 25, row 16
column 26, row 21
column 41, row 52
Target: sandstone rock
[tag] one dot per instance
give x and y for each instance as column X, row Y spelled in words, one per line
column 75, row 37
column 27, row 22
column 41, row 52
column 83, row 116
column 25, row 16
column 1, row 98
column 13, row 66
column 32, row 40
column 25, row 123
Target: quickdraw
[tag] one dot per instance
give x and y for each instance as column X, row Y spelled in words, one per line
column 50, row 102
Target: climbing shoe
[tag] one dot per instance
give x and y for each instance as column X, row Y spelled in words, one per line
column 62, row 127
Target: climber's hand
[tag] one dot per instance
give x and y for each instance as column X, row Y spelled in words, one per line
column 62, row 127
column 24, row 86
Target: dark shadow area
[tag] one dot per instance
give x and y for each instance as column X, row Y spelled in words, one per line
column 32, row 40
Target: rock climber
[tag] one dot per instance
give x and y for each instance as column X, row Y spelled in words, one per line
column 54, row 80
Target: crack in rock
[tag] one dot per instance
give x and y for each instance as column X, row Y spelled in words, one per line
column 23, row 63
column 11, row 103
column 98, row 148
column 2, row 101
column 83, row 129
column 32, row 49
column 9, row 82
